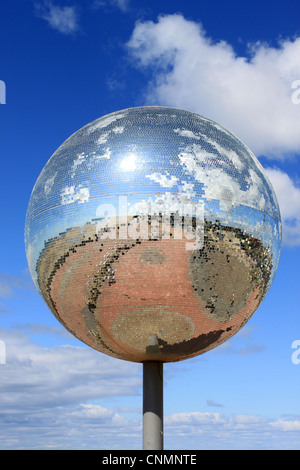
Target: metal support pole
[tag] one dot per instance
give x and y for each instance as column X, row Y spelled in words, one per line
column 153, row 405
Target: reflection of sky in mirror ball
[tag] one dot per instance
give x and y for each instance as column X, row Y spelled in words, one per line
column 142, row 295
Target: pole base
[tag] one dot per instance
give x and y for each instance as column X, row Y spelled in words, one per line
column 153, row 405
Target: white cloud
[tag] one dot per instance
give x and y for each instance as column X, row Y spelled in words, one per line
column 288, row 195
column 194, row 418
column 92, row 412
column 62, row 397
column 250, row 96
column 60, row 375
column 49, row 390
column 199, row 430
column 47, row 394
column 63, row 19
column 287, row 425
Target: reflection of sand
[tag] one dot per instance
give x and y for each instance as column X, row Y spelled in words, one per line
column 224, row 273
column 116, row 295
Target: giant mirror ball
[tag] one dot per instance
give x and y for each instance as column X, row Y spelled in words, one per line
column 153, row 233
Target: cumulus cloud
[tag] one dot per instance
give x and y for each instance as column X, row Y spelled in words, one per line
column 202, row 430
column 251, row 96
column 56, row 398
column 291, row 425
column 288, row 195
column 51, row 392
column 37, row 373
column 62, row 18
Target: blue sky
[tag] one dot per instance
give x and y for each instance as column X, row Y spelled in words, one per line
column 66, row 63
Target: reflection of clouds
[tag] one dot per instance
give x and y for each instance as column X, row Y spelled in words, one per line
column 118, row 129
column 229, row 154
column 238, row 180
column 187, row 188
column 163, row 180
column 49, row 184
column 201, row 153
column 166, row 203
column 167, row 181
column 256, row 191
column 104, row 122
column 89, row 159
column 186, row 133
column 104, row 156
column 30, row 254
column 103, row 138
column 92, row 157
column 198, row 160
column 77, row 162
column 106, row 135
column 71, row 194
column 218, row 149
column 219, row 183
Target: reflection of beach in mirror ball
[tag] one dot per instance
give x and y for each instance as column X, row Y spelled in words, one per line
column 110, row 226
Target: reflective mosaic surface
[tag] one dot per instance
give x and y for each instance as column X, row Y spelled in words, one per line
column 153, row 234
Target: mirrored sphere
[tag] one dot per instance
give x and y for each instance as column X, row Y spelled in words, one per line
column 153, row 233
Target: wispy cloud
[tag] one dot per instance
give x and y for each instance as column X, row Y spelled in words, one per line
column 214, row 404
column 198, row 430
column 230, row 348
column 10, row 283
column 38, row 329
column 62, row 18
column 51, row 391
column 241, row 344
column 121, row 4
column 3, row 308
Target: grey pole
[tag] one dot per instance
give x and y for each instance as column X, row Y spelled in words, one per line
column 153, row 405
